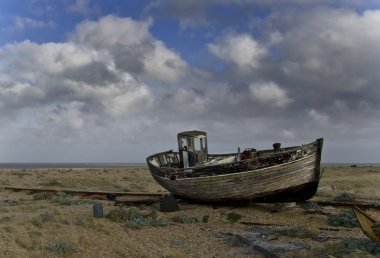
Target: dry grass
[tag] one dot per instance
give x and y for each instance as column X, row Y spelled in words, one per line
column 362, row 181
column 57, row 225
column 112, row 179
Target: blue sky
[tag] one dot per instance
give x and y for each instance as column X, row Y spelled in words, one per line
column 115, row 81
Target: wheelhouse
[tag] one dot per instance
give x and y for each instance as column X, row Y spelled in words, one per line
column 192, row 146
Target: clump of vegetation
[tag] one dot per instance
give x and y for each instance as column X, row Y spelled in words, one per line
column 310, row 205
column 5, row 219
column 47, row 217
column 122, row 215
column 42, row 218
column 348, row 246
column 22, row 243
column 87, row 222
column 135, row 219
column 42, row 196
column 67, row 200
column 299, row 232
column 52, row 183
column 37, row 221
column 3, row 182
column 345, row 197
column 62, row 246
column 375, row 203
column 8, row 229
column 233, row 217
column 160, row 222
column 185, row 219
column 346, row 219
column 21, row 174
column 137, row 223
column 115, row 216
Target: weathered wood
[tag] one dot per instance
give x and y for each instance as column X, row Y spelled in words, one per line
column 346, row 204
column 335, row 229
column 142, row 202
column 290, row 173
column 260, row 224
column 367, row 224
column 281, row 225
column 84, row 192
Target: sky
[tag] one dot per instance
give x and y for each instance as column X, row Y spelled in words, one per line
column 115, row 81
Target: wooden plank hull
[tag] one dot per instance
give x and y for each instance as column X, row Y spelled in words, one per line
column 369, row 226
column 294, row 180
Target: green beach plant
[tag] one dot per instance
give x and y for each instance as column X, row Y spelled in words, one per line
column 345, row 219
column 62, row 246
column 233, row 217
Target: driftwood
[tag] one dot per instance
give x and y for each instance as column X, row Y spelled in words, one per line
column 120, row 198
column 135, row 202
column 278, row 225
column 376, row 228
column 145, row 200
column 260, row 224
column 85, row 192
column 347, row 204
column 367, row 224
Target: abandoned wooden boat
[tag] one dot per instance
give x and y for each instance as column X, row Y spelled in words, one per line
column 370, row 227
column 273, row 175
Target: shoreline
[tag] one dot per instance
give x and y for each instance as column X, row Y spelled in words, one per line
column 41, row 165
column 69, row 165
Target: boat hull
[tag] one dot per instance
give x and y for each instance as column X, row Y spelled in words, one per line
column 368, row 224
column 295, row 180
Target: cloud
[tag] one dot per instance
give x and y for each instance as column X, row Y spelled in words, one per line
column 190, row 14
column 83, row 7
column 25, row 22
column 240, row 50
column 270, row 94
column 132, row 47
column 289, row 74
column 18, row 23
column 332, row 46
column 84, row 83
column 318, row 118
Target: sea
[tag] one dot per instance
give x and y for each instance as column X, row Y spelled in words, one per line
column 68, row 165
column 350, row 164
column 121, row 165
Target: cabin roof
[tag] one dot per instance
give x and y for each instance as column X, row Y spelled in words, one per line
column 193, row 133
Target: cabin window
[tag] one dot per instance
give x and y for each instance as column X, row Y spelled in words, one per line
column 202, row 143
column 198, row 144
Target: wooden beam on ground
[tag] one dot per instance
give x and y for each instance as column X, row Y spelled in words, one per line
column 85, row 192
column 347, row 204
column 279, row 225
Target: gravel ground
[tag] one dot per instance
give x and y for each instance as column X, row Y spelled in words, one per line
column 33, row 225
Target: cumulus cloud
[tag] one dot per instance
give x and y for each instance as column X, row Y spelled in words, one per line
column 286, row 75
column 328, row 48
column 270, row 94
column 241, row 50
column 87, row 82
column 318, row 118
column 83, row 7
column 132, row 47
